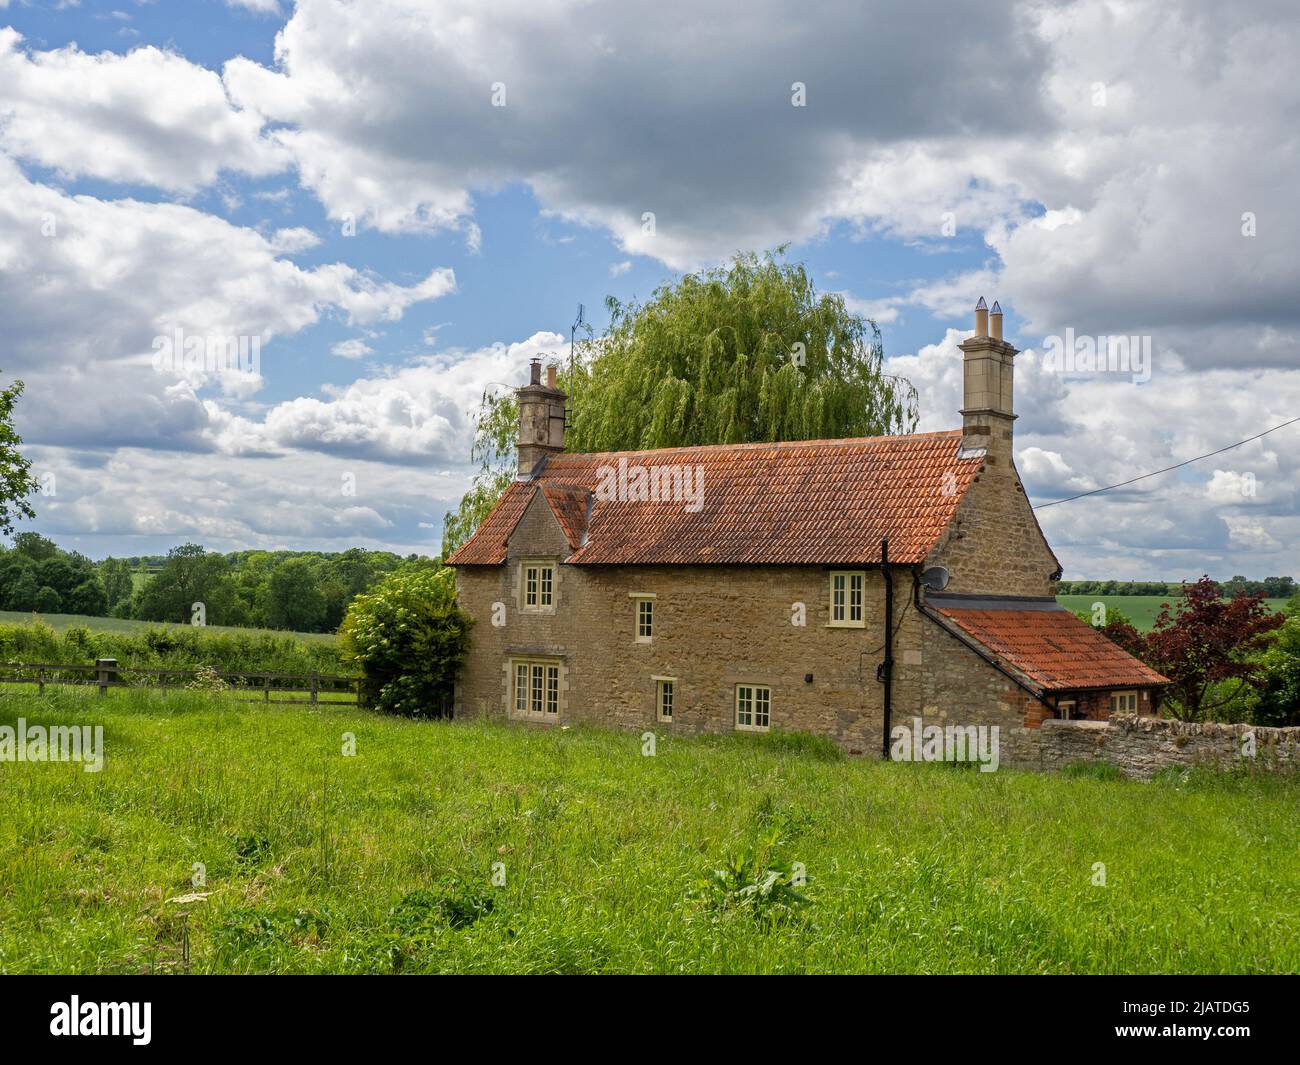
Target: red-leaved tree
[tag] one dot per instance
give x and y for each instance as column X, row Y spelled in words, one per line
column 1205, row 641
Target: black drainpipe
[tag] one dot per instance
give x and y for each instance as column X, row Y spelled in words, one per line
column 886, row 672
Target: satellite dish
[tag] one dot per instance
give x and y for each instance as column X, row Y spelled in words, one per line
column 935, row 579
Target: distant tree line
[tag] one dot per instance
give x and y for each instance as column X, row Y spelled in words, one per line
column 301, row 591
column 1269, row 587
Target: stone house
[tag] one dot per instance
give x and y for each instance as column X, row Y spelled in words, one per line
column 827, row 586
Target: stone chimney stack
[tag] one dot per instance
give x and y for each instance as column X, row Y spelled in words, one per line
column 541, row 420
column 987, row 400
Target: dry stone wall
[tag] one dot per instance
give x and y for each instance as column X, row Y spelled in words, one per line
column 1141, row 746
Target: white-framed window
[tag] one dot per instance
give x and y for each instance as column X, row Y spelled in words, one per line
column 1067, row 709
column 645, row 620
column 753, row 707
column 847, row 590
column 538, row 586
column 1123, row 702
column 665, row 692
column 643, row 617
column 536, row 687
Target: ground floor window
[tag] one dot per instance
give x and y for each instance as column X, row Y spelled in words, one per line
column 1123, row 702
column 536, row 687
column 664, row 690
column 753, row 707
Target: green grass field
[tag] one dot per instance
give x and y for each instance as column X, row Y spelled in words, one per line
column 1140, row 609
column 383, row 861
column 61, row 622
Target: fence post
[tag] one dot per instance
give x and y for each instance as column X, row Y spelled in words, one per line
column 40, row 682
column 315, row 685
column 106, row 673
column 266, row 687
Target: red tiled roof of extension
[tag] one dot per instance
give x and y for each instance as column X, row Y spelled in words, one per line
column 814, row 502
column 1052, row 648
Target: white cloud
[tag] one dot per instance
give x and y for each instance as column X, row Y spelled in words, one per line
column 88, row 285
column 355, row 348
column 296, row 239
column 148, row 117
column 419, row 413
column 261, row 7
column 388, row 110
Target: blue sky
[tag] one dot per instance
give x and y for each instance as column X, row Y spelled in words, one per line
column 335, row 179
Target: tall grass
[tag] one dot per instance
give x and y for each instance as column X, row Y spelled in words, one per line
column 173, row 647
column 384, row 861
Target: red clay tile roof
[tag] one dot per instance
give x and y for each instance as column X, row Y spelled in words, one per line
column 571, row 505
column 1047, row 645
column 814, row 502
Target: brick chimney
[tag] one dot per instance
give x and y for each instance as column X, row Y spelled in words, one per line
column 541, row 420
column 987, row 398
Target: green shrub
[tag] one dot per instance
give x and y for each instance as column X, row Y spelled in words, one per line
column 409, row 638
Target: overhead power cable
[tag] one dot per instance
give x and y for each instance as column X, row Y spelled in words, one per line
column 1176, row 465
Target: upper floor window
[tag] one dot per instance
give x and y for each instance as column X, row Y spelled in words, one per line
column 645, row 615
column 753, row 707
column 539, row 585
column 645, row 620
column 1123, row 702
column 846, row 598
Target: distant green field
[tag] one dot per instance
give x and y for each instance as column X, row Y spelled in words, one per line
column 61, row 622
column 1140, row 609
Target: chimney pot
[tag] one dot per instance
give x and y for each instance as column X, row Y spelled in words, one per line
column 988, row 377
column 541, row 420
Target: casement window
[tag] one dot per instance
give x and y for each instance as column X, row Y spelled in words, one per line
column 536, row 687
column 847, row 588
column 664, row 694
column 538, row 586
column 753, row 707
column 645, row 620
column 1123, row 702
column 1067, row 710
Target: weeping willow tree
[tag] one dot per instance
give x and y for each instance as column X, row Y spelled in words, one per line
column 748, row 352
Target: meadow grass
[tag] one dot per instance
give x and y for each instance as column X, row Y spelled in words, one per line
column 1142, row 610
column 62, row 622
column 383, row 861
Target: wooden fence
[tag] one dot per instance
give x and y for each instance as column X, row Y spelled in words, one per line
column 106, row 673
